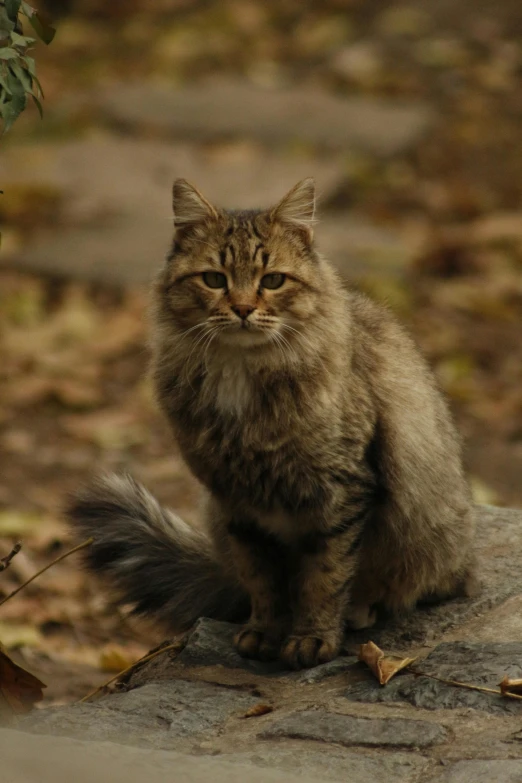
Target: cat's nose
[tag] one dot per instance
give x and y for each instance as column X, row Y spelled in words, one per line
column 243, row 310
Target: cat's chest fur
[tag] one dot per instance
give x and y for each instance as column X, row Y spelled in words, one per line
column 229, row 388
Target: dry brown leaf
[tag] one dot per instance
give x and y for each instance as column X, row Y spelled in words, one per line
column 510, row 686
column 19, row 688
column 257, row 710
column 384, row 667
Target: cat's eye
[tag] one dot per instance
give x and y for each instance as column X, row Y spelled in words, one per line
column 215, row 279
column 273, row 281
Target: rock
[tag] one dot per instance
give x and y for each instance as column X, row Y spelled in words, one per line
column 54, row 760
column 211, row 643
column 346, row 730
column 497, row 771
column 156, row 715
column 478, row 664
column 333, row 763
column 331, row 669
column 229, row 108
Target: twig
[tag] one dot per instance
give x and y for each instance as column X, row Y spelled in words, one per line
column 466, row 685
column 5, row 562
column 53, row 562
column 148, row 657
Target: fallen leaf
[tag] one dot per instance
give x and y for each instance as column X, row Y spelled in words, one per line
column 115, row 659
column 510, row 686
column 384, row 667
column 19, row 689
column 19, row 635
column 257, row 710
column 12, row 523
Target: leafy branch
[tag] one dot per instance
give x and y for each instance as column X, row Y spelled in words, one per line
column 18, row 78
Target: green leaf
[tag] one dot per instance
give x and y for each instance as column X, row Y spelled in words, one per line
column 21, row 40
column 6, row 53
column 31, row 65
column 3, row 83
column 36, row 82
column 38, row 105
column 6, row 26
column 42, row 27
column 23, row 76
column 12, row 110
column 28, row 10
column 12, row 8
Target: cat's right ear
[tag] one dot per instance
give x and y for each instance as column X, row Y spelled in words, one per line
column 189, row 206
column 297, row 209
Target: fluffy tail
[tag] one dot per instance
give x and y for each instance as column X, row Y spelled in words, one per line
column 156, row 562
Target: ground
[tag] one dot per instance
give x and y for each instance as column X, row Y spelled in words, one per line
column 408, row 116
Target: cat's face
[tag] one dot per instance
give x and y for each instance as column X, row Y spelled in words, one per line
column 242, row 278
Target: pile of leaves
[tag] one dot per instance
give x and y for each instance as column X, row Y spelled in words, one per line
column 75, row 399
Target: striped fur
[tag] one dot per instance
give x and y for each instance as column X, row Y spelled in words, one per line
column 154, row 560
column 331, row 463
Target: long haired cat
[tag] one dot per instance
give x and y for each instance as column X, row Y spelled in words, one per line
column 331, row 467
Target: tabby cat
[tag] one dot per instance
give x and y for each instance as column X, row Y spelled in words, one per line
column 330, row 463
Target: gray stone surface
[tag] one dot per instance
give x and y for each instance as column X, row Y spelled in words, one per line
column 59, row 760
column 229, row 108
column 477, row 664
column 195, row 700
column 208, row 643
column 211, row 643
column 346, row 730
column 154, row 715
column 334, row 763
column 497, row 771
column 331, row 669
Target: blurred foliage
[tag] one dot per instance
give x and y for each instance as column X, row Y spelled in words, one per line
column 17, row 69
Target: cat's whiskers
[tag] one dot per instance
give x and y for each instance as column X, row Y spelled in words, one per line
column 276, row 338
column 200, row 340
column 291, row 349
column 305, row 341
column 213, row 335
column 192, row 328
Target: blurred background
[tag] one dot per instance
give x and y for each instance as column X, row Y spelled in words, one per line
column 409, row 117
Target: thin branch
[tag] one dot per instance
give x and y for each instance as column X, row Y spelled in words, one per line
column 466, row 685
column 5, row 562
column 176, row 646
column 49, row 565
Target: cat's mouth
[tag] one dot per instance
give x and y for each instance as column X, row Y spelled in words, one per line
column 245, row 333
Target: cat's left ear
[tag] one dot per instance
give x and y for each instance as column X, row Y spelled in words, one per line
column 297, row 208
column 190, row 207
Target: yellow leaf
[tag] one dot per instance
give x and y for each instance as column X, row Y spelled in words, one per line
column 257, row 710
column 384, row 667
column 18, row 635
column 114, row 659
column 12, row 523
column 510, row 686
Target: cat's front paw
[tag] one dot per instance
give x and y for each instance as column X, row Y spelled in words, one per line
column 261, row 645
column 303, row 652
